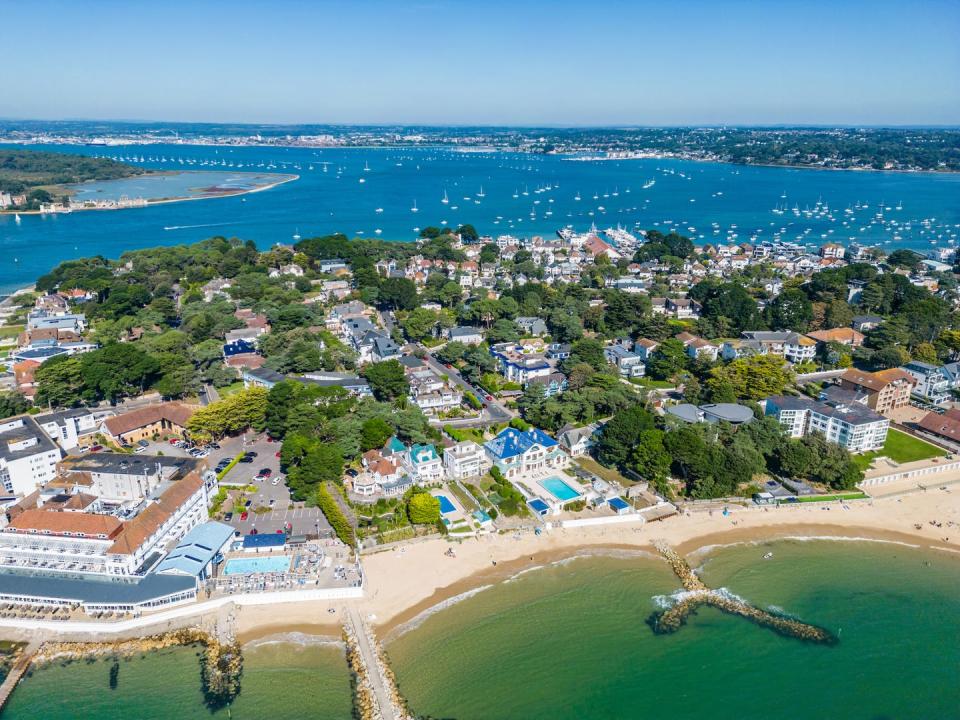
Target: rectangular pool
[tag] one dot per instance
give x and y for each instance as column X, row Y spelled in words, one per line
column 559, row 489
column 249, row 566
column 445, row 505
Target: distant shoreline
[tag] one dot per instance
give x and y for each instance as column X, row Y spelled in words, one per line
column 281, row 179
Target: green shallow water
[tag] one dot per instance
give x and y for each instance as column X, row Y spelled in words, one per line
column 280, row 682
column 570, row 641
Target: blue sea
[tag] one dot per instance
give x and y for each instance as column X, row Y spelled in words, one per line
column 362, row 191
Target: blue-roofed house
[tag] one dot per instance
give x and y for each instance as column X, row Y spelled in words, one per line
column 424, row 464
column 196, row 552
column 518, row 452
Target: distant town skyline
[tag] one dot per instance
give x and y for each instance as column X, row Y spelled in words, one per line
column 522, row 63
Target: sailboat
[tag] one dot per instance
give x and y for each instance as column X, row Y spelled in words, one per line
column 296, row 235
column 414, row 208
column 366, row 166
column 16, row 218
column 445, row 200
column 481, row 193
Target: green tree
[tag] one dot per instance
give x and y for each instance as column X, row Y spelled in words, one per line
column 387, row 379
column 423, row 509
column 622, row 433
column 375, row 433
column 668, row 359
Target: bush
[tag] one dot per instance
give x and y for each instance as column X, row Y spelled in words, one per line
column 423, row 509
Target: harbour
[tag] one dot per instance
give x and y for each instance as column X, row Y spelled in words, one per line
column 499, row 193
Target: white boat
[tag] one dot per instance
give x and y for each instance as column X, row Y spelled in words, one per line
column 414, row 208
column 481, row 193
column 445, row 200
column 296, row 235
column 16, row 218
column 379, row 210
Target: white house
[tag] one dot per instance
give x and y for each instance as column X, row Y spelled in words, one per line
column 465, row 460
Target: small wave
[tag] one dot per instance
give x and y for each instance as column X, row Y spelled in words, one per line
column 294, row 638
column 759, row 542
column 420, row 618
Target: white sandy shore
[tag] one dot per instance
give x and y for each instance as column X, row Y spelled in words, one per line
column 404, row 582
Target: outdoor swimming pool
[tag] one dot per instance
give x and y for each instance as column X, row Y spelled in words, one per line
column 265, row 564
column 559, row 489
column 445, row 505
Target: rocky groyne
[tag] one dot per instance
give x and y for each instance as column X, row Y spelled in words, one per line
column 221, row 661
column 696, row 594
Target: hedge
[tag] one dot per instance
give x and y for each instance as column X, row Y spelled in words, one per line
column 223, row 473
column 334, row 515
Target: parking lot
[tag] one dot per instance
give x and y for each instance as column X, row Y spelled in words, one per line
column 272, row 498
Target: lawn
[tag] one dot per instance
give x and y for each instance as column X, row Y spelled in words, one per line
column 230, row 389
column 653, row 384
column 901, row 448
column 608, row 474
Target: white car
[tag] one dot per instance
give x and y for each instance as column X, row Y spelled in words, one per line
column 275, row 481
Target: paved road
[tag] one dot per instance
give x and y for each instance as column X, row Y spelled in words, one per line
column 494, row 412
column 822, row 375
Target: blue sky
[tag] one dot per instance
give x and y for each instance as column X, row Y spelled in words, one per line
column 446, row 61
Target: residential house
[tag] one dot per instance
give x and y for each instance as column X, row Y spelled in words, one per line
column 465, row 334
column 885, row 390
column 519, row 452
column 644, row 347
column 843, row 336
column 627, row 362
column 553, row 384
column 520, row 366
column 531, row 326
column 935, row 383
column 424, row 464
column 67, row 427
column 792, row 346
column 465, row 460
column 577, row 441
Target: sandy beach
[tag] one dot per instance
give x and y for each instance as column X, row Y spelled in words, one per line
column 407, row 581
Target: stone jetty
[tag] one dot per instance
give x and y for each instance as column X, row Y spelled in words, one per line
column 375, row 693
column 697, row 594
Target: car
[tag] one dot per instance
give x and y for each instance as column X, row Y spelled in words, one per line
column 254, row 531
column 352, row 473
column 248, row 503
column 244, row 515
column 266, row 472
column 175, row 441
column 96, row 448
column 213, row 445
column 228, row 517
column 275, row 481
column 272, row 501
column 269, row 439
column 277, row 454
column 246, row 459
column 489, row 398
column 250, row 453
column 143, row 443
column 139, row 450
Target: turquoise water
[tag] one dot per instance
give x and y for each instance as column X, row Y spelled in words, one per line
column 740, row 200
column 245, row 566
column 570, row 641
column 559, row 489
column 280, row 682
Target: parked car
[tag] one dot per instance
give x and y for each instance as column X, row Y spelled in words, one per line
column 175, row 441
column 213, row 445
column 266, row 472
column 96, row 448
column 278, row 454
column 275, row 481
column 139, row 449
column 143, row 443
column 228, row 517
column 244, row 515
column 250, row 453
column 246, row 459
column 352, row 473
